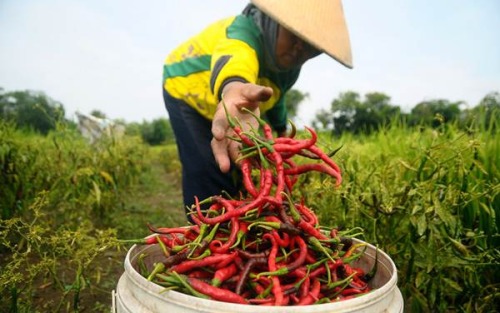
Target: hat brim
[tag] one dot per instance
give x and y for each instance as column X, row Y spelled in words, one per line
column 319, row 22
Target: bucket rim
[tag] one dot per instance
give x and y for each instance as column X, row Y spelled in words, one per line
column 178, row 298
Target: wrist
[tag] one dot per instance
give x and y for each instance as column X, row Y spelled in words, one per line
column 230, row 83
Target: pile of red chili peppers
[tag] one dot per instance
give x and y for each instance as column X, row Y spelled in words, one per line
column 262, row 248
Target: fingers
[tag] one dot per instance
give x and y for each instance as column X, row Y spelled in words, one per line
column 253, row 94
column 257, row 93
column 220, row 125
column 221, row 154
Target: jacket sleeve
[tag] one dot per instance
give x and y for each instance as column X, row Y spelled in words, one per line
column 232, row 60
column 236, row 56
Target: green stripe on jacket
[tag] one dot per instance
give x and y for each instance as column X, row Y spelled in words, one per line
column 187, row 67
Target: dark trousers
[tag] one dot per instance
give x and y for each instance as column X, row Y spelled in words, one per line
column 201, row 175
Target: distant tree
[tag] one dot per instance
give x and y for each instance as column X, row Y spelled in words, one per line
column 98, row 114
column 293, row 98
column 157, row 132
column 31, row 109
column 381, row 103
column 486, row 114
column 381, row 111
column 133, row 129
column 435, row 112
column 323, row 119
column 352, row 114
column 343, row 110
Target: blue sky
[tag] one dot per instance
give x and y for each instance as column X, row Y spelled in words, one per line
column 108, row 54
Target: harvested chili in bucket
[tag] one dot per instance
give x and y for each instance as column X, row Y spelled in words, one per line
column 265, row 247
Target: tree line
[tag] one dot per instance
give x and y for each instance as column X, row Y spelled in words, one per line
column 349, row 112
column 38, row 112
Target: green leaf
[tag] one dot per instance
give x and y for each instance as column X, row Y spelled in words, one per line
column 107, row 177
column 416, row 209
column 421, row 279
column 445, row 216
column 421, row 225
column 459, row 247
column 452, row 284
column 97, row 192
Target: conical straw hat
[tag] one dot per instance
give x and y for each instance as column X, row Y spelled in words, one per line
column 319, row 22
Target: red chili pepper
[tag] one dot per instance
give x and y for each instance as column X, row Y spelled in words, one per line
column 307, row 213
column 304, row 288
column 276, row 289
column 286, row 300
column 302, row 254
column 262, row 301
column 257, row 288
column 210, row 260
column 244, row 138
column 284, row 144
column 169, row 241
column 311, row 230
column 351, row 291
column 300, row 272
column 310, row 258
column 246, row 270
column 290, row 182
column 322, row 270
column 176, row 258
column 248, row 255
column 328, row 161
column 241, row 233
column 172, row 230
column 280, row 175
column 282, row 242
column 318, row 167
column 268, row 132
column 246, row 170
column 215, row 293
column 223, row 274
column 199, row 274
column 235, row 227
column 255, row 203
column 312, row 296
column 292, row 265
column 224, row 263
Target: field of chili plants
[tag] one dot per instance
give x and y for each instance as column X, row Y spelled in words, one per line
column 428, row 197
column 64, row 203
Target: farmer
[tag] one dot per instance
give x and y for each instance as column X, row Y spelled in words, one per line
column 245, row 61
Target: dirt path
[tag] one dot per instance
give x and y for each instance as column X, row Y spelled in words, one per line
column 156, row 199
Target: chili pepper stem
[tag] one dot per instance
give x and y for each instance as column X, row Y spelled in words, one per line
column 159, row 267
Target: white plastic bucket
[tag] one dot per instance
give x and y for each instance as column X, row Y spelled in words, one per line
column 135, row 294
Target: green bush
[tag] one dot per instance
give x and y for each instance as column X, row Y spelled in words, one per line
column 58, row 197
column 46, row 269
column 169, row 159
column 430, row 199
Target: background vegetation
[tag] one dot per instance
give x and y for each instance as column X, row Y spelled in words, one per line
column 423, row 185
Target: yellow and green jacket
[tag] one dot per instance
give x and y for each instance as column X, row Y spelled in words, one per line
column 230, row 49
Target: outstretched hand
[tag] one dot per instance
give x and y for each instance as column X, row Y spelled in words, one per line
column 236, row 97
